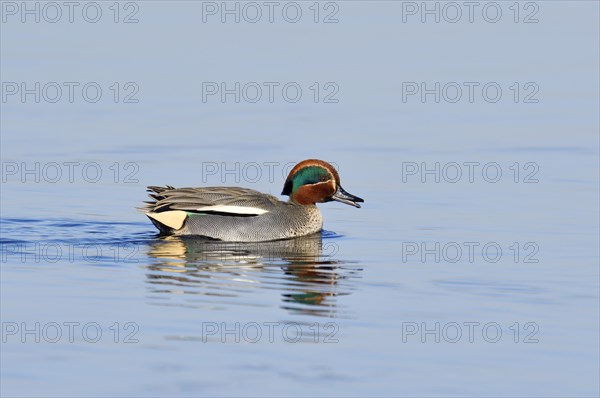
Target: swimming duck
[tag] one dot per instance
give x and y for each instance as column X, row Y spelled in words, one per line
column 235, row 214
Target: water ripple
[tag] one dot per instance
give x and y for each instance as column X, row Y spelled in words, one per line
column 305, row 272
column 308, row 279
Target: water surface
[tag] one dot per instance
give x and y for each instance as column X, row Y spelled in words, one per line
column 407, row 296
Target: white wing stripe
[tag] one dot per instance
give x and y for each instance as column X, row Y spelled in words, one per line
column 234, row 209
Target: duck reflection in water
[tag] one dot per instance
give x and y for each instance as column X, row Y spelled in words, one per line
column 305, row 269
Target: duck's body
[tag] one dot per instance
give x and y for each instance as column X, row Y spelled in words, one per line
column 244, row 215
column 231, row 214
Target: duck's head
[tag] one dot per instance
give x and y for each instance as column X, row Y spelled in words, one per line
column 315, row 181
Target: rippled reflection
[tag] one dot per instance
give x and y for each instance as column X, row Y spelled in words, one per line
column 305, row 270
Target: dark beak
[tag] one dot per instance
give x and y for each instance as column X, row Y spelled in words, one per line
column 342, row 196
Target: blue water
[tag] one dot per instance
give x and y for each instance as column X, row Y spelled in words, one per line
column 472, row 269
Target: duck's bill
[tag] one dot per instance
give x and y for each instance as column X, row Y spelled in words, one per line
column 342, row 196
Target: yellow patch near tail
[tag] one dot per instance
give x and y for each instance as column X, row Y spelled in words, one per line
column 172, row 219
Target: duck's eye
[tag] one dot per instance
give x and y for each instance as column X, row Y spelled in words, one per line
column 323, row 178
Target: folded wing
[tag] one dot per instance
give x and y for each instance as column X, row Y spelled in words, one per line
column 171, row 206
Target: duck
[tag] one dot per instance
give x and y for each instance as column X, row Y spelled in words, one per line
column 235, row 214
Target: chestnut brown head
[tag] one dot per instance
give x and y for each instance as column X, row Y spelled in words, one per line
column 315, row 181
